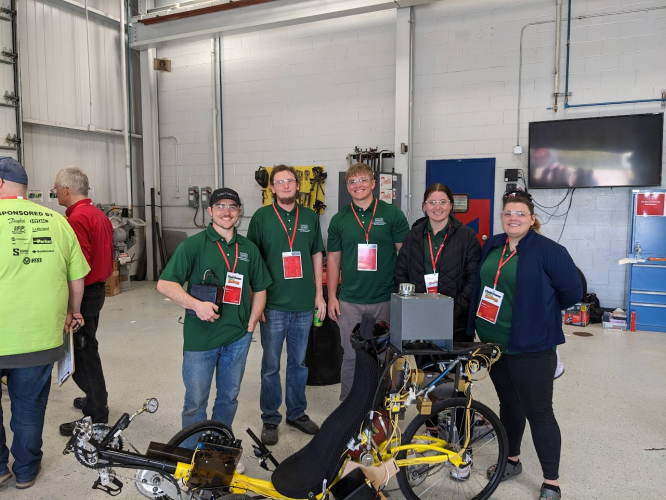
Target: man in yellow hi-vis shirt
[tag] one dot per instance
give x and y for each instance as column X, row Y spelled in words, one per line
column 41, row 285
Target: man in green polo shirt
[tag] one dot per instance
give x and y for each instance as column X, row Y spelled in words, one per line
column 363, row 240
column 217, row 332
column 289, row 239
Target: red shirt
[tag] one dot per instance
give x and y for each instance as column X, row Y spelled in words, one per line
column 95, row 234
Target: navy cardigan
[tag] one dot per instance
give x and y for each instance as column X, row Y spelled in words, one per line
column 547, row 281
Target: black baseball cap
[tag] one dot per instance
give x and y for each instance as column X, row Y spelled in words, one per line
column 12, row 171
column 224, row 194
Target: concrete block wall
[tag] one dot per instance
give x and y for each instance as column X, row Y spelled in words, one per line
column 466, row 98
column 309, row 94
column 303, row 95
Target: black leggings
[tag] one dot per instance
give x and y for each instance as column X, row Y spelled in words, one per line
column 524, row 385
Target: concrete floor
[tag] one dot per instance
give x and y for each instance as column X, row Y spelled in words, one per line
column 610, row 406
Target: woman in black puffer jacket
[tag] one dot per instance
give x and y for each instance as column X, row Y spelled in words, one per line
column 442, row 250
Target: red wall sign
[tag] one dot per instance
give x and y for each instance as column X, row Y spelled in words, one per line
column 650, row 204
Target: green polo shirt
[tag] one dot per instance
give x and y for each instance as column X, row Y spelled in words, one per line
column 266, row 231
column 499, row 332
column 437, row 240
column 389, row 227
column 192, row 259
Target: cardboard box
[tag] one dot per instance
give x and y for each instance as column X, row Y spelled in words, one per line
column 578, row 315
column 112, row 285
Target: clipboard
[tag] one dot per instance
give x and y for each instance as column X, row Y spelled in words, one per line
column 66, row 360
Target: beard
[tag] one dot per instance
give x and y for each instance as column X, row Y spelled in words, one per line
column 287, row 200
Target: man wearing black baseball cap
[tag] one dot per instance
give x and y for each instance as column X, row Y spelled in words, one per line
column 45, row 296
column 217, row 332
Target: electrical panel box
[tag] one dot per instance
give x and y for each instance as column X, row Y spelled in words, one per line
column 205, row 196
column 193, row 197
column 510, row 175
column 388, row 188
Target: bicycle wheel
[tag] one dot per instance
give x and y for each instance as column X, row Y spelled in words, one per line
column 488, row 445
column 192, row 434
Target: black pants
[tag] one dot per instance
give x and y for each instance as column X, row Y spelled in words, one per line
column 524, row 385
column 88, row 373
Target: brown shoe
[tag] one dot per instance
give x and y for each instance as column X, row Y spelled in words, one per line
column 26, row 485
column 5, row 477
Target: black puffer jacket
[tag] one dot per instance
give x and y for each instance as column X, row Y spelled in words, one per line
column 457, row 267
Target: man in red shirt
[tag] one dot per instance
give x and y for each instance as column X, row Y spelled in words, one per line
column 95, row 234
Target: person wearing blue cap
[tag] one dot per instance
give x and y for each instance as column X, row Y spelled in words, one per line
column 42, row 269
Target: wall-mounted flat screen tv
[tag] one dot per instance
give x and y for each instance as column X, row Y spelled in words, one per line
column 609, row 151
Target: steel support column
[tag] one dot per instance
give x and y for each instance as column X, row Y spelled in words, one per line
column 151, row 151
column 403, row 101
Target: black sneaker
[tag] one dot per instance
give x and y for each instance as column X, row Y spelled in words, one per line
column 304, row 424
column 67, row 429
column 269, row 434
column 79, row 403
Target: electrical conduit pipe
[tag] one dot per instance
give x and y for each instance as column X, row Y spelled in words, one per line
column 123, row 79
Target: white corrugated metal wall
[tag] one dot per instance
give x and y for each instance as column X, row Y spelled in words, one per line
column 56, row 94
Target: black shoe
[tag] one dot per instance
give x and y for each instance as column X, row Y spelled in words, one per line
column 79, row 402
column 67, row 429
column 304, row 424
column 269, row 434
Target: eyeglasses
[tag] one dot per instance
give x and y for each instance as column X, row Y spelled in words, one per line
column 284, row 182
column 54, row 190
column 222, row 206
column 518, row 213
column 358, row 181
column 433, row 203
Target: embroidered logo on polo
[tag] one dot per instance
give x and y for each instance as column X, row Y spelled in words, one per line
column 243, row 256
column 304, row 228
column 379, row 221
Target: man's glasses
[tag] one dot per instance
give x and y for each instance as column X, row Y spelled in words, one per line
column 358, row 181
column 434, row 203
column 222, row 206
column 518, row 213
column 284, row 182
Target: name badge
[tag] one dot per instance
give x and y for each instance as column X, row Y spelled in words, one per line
column 233, row 288
column 431, row 282
column 367, row 257
column 489, row 306
column 292, row 265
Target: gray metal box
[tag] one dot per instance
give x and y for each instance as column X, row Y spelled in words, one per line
column 423, row 316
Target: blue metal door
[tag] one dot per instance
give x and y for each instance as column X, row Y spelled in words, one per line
column 474, row 177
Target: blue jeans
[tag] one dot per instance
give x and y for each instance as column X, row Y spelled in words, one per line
column 228, row 364
column 28, row 390
column 295, row 328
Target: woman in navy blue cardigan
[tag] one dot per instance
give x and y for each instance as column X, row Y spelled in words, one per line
column 523, row 283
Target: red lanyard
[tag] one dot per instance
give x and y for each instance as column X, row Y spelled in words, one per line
column 504, row 262
column 225, row 257
column 367, row 233
column 293, row 236
column 435, row 259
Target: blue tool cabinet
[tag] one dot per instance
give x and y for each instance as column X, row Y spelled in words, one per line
column 647, row 280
